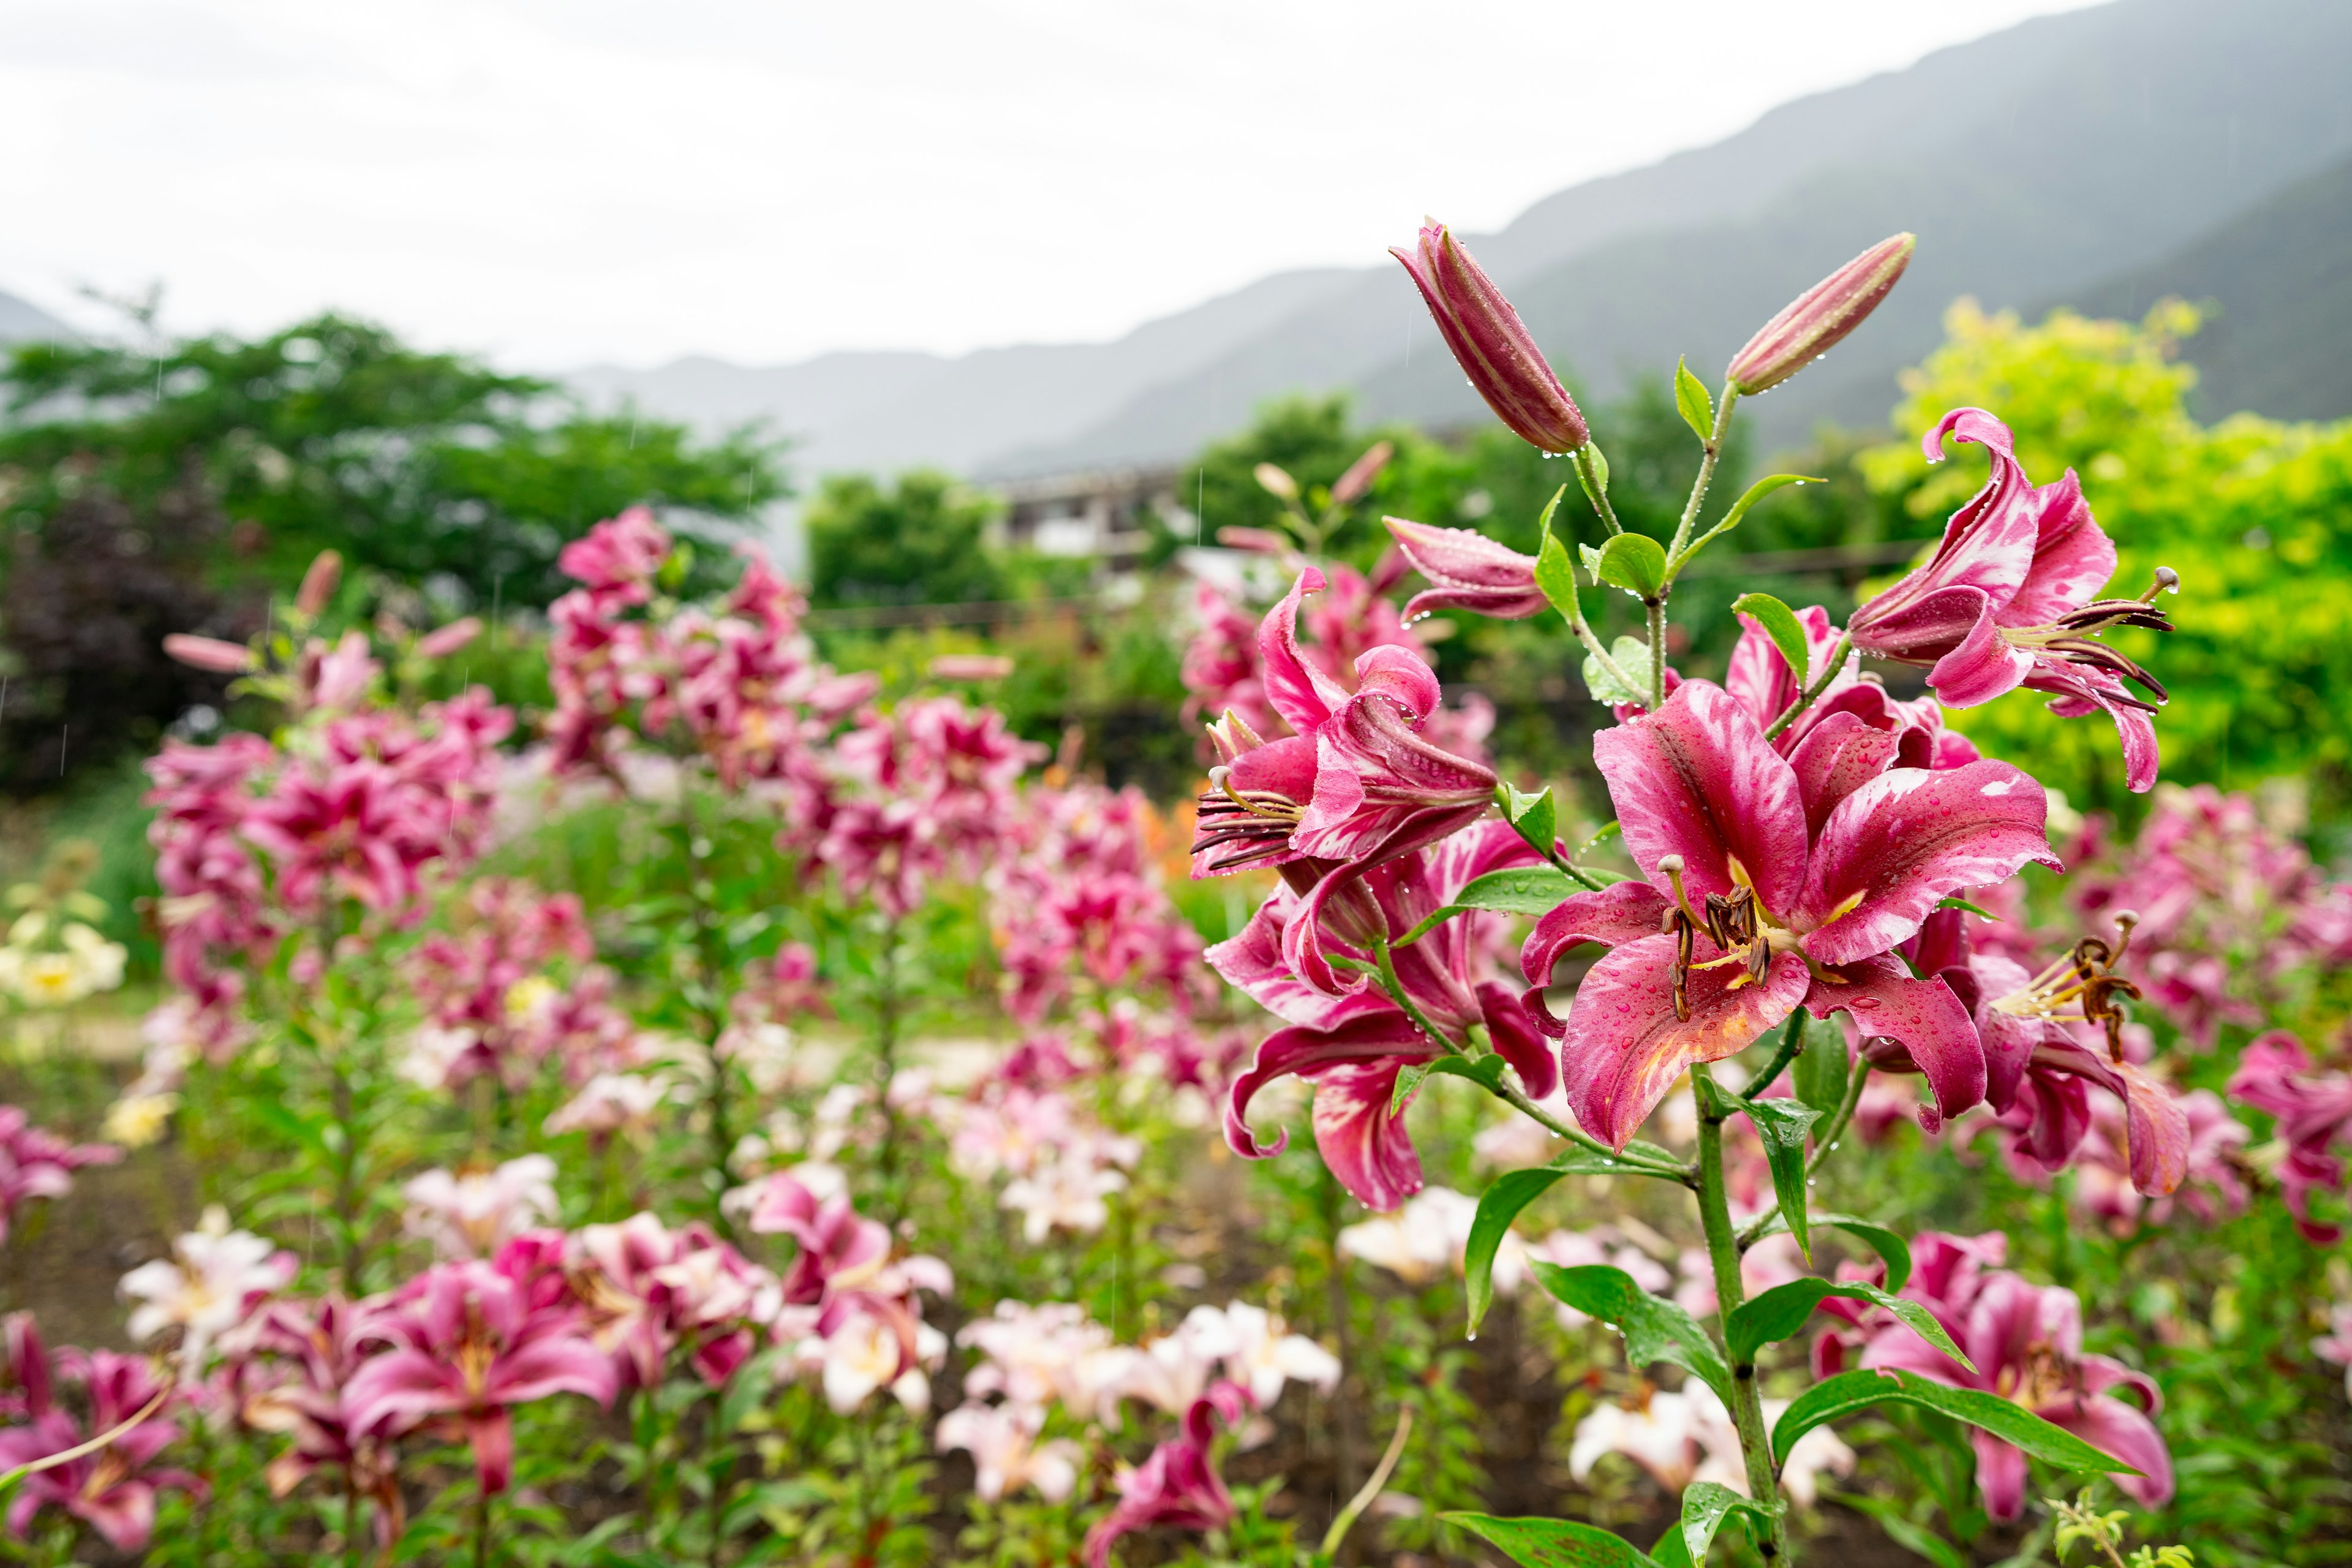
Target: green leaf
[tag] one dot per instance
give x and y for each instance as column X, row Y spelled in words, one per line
column 1498, row 1205
column 1911, row 1537
column 1591, row 471
column 1779, row 624
column 1964, row 904
column 1408, row 1079
column 1849, row 1392
column 1670, row 1549
column 1654, row 1328
column 1635, row 562
column 1784, row 1310
column 1692, row 402
column 1552, row 1543
column 1819, row 1073
column 1890, row 1245
column 1533, row 817
column 1707, row 1505
column 1755, row 492
column 1486, row 1072
column 1555, row 570
column 1633, row 656
column 1519, row 891
column 1783, row 1124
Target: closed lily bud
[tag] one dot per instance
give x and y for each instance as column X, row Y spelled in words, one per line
column 1491, row 344
column 208, row 653
column 1349, row 487
column 443, row 641
column 1276, row 481
column 319, row 582
column 1819, row 319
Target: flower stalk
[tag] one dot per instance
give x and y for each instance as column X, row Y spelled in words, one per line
column 1723, row 1255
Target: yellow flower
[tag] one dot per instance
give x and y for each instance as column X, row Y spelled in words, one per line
column 138, row 1119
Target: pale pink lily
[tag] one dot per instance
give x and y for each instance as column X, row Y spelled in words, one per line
column 2007, row 601
column 34, row 1163
column 1352, row 1047
column 1688, row 1435
column 2026, row 1341
column 469, row 1341
column 1006, row 1453
column 212, row 1282
column 472, row 1214
column 1773, row 883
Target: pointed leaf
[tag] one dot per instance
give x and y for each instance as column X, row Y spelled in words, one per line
column 1552, row 1543
column 1705, row 1506
column 1755, row 492
column 1635, row 562
column 1519, row 891
column 1784, row 1310
column 1692, row 402
column 1654, row 1328
column 1819, row 1073
column 1783, row 1125
column 1533, row 817
column 1836, row 1397
column 1779, row 624
column 1486, row 1072
column 1408, row 1079
column 1593, row 472
column 1964, row 904
column 1633, row 656
column 1555, row 569
column 1890, row 1245
column 1670, row 1549
column 1498, row 1205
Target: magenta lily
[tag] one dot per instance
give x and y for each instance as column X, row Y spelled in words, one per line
column 2005, row 601
column 1358, row 785
column 1759, row 676
column 468, row 1343
column 1352, row 1047
column 1467, row 571
column 2313, row 1115
column 114, row 1489
column 1178, row 1485
column 1773, row 882
column 2026, row 1341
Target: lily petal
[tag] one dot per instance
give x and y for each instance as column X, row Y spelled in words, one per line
column 1363, row 1143
column 1297, row 688
column 2073, row 557
column 1373, row 1030
column 1837, row 757
column 1921, row 1015
column 1622, row 912
column 1518, row 1039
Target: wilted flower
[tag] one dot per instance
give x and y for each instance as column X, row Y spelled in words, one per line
column 1467, row 571
column 1494, row 349
column 1817, row 319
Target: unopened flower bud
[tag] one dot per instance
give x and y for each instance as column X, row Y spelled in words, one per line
column 1276, row 481
column 1492, row 346
column 446, row 640
column 319, row 582
column 971, row 667
column 1256, row 541
column 1819, row 319
column 208, row 653
column 1351, row 486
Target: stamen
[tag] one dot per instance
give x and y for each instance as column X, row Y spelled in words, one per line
column 1672, row 865
column 2168, row 581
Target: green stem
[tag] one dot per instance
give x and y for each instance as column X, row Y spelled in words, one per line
column 1723, row 1253
column 1385, row 967
column 1708, row 455
column 1806, row 698
column 1596, row 492
column 885, row 1060
column 1656, row 607
column 481, row 1527
column 1792, row 1044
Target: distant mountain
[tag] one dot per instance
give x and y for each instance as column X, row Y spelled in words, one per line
column 22, row 322
column 2033, row 164
column 2279, row 277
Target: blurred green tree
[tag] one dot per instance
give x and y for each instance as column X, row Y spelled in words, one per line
column 921, row 540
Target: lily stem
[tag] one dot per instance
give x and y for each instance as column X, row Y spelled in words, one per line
column 1810, row 694
column 1385, row 967
column 1723, row 1253
column 1708, row 455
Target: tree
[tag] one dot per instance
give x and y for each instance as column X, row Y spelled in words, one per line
column 921, row 540
column 332, row 434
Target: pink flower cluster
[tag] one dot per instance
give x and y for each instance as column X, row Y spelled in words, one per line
column 851, row 1309
column 253, row 840
column 113, row 1487
column 2227, row 908
column 911, row 796
column 34, row 1163
column 2311, row 1113
column 737, row 684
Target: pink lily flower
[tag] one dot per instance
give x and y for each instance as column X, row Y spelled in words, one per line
column 34, row 1163
column 1356, row 785
column 1467, row 571
column 1351, row 1048
column 2313, row 1115
column 468, row 1343
column 2027, row 1343
column 111, row 1489
column 318, row 1347
column 1178, row 1485
column 2007, row 602
column 1773, row 883
column 1759, row 676
column 2039, row 1073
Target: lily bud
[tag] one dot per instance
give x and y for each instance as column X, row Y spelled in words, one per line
column 1468, row 571
column 1819, row 319
column 971, row 667
column 319, row 582
column 443, row 641
column 1491, row 344
column 208, row 653
column 1351, row 486
column 1276, row 481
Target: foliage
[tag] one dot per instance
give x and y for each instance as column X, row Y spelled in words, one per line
column 917, row 541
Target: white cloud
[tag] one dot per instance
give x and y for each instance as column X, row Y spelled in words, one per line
column 554, row 181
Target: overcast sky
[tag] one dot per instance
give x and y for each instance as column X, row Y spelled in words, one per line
column 554, row 181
